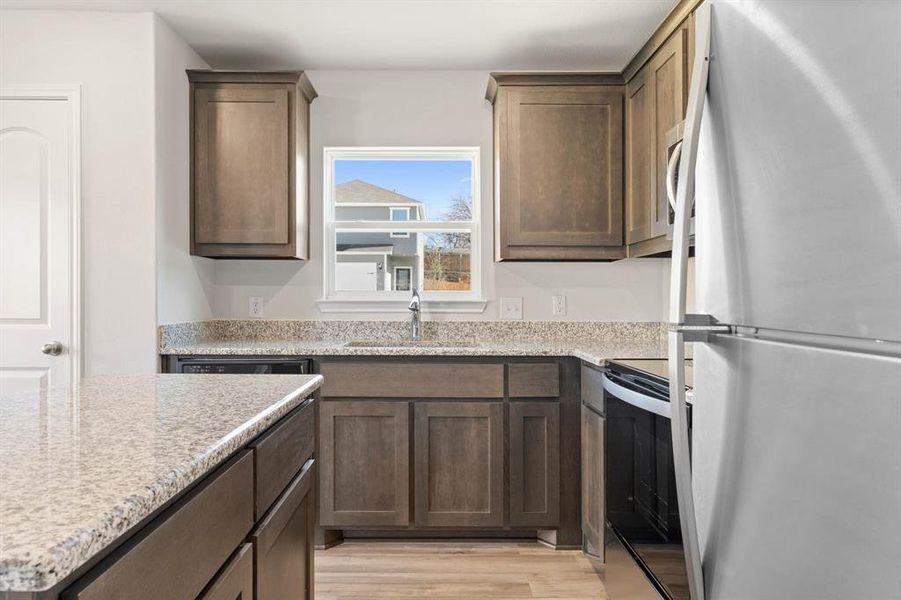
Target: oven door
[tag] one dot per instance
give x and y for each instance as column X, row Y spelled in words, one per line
column 642, row 509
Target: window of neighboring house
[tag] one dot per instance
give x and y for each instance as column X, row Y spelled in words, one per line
column 403, row 277
column 399, row 214
column 435, row 193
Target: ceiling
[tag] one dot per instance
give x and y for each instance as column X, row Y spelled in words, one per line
column 576, row 35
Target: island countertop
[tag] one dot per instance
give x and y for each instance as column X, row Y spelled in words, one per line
column 83, row 466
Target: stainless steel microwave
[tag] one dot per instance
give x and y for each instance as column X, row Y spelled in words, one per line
column 673, row 156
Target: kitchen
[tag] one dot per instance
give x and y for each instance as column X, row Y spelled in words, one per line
column 469, row 245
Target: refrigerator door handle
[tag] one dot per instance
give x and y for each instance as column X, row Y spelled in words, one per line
column 678, row 326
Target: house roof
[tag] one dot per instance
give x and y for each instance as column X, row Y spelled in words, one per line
column 363, row 248
column 361, row 192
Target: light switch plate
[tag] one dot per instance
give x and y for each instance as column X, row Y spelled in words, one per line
column 511, row 309
column 559, row 306
column 255, row 307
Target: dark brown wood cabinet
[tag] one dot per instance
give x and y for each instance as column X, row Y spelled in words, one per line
column 449, row 447
column 283, row 542
column 593, row 510
column 559, row 166
column 365, row 463
column 209, row 544
column 250, row 164
column 594, row 482
column 534, row 464
column 656, row 100
column 459, row 464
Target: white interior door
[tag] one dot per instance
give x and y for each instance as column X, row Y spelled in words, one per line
column 37, row 172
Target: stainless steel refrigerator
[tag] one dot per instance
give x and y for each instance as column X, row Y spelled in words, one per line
column 792, row 154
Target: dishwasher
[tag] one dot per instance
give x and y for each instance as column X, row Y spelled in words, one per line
column 240, row 365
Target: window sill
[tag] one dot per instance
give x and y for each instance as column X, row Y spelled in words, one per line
column 390, row 305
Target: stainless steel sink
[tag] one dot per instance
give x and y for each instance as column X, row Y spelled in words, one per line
column 407, row 344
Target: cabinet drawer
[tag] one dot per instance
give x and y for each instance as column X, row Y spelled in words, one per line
column 412, row 380
column 177, row 554
column 593, row 389
column 534, row 380
column 283, row 543
column 235, row 581
column 279, row 454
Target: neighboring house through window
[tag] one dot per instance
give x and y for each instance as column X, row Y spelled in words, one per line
column 434, row 193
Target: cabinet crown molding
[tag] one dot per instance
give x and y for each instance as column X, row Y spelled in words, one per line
column 298, row 78
column 497, row 79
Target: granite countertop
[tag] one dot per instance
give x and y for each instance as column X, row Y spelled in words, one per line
column 593, row 341
column 82, row 467
column 595, row 353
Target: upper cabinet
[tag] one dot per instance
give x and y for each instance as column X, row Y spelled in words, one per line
column 656, row 100
column 250, row 164
column 558, row 159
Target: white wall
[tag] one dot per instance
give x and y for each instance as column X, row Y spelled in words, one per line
column 185, row 287
column 111, row 56
column 434, row 108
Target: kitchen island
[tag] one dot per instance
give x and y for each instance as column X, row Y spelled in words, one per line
column 101, row 485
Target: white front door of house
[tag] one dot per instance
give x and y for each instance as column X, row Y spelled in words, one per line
column 36, row 234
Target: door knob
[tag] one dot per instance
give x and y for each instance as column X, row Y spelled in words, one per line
column 52, row 348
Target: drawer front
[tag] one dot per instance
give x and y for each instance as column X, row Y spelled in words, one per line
column 280, row 453
column 534, row 380
column 283, row 542
column 235, row 581
column 593, row 389
column 412, row 380
column 178, row 553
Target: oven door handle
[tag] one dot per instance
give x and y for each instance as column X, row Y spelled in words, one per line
column 636, row 399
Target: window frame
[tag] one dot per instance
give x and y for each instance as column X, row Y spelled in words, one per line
column 399, row 268
column 399, row 234
column 396, row 301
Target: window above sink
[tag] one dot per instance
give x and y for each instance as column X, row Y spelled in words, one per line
column 399, row 219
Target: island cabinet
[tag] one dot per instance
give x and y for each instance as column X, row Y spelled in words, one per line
column 250, row 164
column 449, row 447
column 233, row 535
column 656, row 100
column 558, row 166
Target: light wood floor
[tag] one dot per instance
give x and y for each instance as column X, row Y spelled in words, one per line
column 489, row 570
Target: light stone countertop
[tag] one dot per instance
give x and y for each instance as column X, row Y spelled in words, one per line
column 592, row 341
column 81, row 468
column 596, row 353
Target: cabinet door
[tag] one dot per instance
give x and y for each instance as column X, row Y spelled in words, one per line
column 667, row 71
column 640, row 167
column 235, row 580
column 534, row 464
column 283, row 543
column 560, row 156
column 593, row 488
column 241, row 153
column 459, row 475
column 364, row 452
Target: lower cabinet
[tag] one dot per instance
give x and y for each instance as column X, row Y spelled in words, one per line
column 365, row 464
column 235, row 581
column 534, row 464
column 459, row 464
column 593, row 511
column 283, row 542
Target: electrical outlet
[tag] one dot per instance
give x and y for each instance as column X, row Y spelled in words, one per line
column 511, row 309
column 255, row 307
column 559, row 306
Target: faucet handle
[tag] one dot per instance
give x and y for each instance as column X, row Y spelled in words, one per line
column 414, row 301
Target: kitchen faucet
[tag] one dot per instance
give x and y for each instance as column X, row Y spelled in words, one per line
column 415, row 323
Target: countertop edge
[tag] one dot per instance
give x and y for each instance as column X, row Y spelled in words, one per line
column 20, row 575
